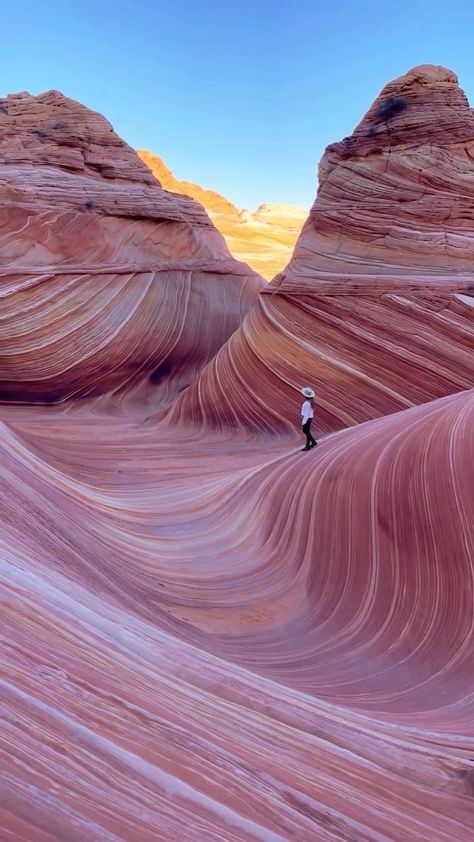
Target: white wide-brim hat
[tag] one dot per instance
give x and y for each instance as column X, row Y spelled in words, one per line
column 307, row 392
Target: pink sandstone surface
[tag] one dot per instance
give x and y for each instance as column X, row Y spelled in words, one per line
column 210, row 636
column 264, row 239
column 376, row 307
column 108, row 281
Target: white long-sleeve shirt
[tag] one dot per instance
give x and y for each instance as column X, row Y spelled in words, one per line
column 306, row 412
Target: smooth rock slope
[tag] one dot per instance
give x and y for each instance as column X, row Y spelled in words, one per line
column 207, row 640
column 263, row 238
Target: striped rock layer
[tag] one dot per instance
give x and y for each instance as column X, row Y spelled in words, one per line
column 107, row 281
column 375, row 310
column 210, row 639
column 210, row 636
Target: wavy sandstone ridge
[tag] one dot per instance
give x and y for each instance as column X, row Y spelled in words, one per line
column 376, row 307
column 210, row 636
column 107, row 280
column 264, row 238
column 184, row 614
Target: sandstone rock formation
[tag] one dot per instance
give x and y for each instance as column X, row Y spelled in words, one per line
column 376, row 307
column 143, row 569
column 106, row 279
column 210, row 200
column 211, row 636
column 264, row 238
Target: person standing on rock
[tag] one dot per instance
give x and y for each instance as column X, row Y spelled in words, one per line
column 307, row 417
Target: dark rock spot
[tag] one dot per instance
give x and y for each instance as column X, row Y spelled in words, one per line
column 160, row 373
column 392, row 106
column 467, row 775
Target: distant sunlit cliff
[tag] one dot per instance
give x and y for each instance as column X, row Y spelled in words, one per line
column 264, row 239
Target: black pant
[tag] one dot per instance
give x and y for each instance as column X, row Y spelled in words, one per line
column 310, row 442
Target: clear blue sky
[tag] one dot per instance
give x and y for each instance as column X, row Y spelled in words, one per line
column 238, row 96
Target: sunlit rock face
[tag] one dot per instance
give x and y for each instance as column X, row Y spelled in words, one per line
column 376, row 307
column 106, row 278
column 211, row 636
column 395, row 197
column 264, row 238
